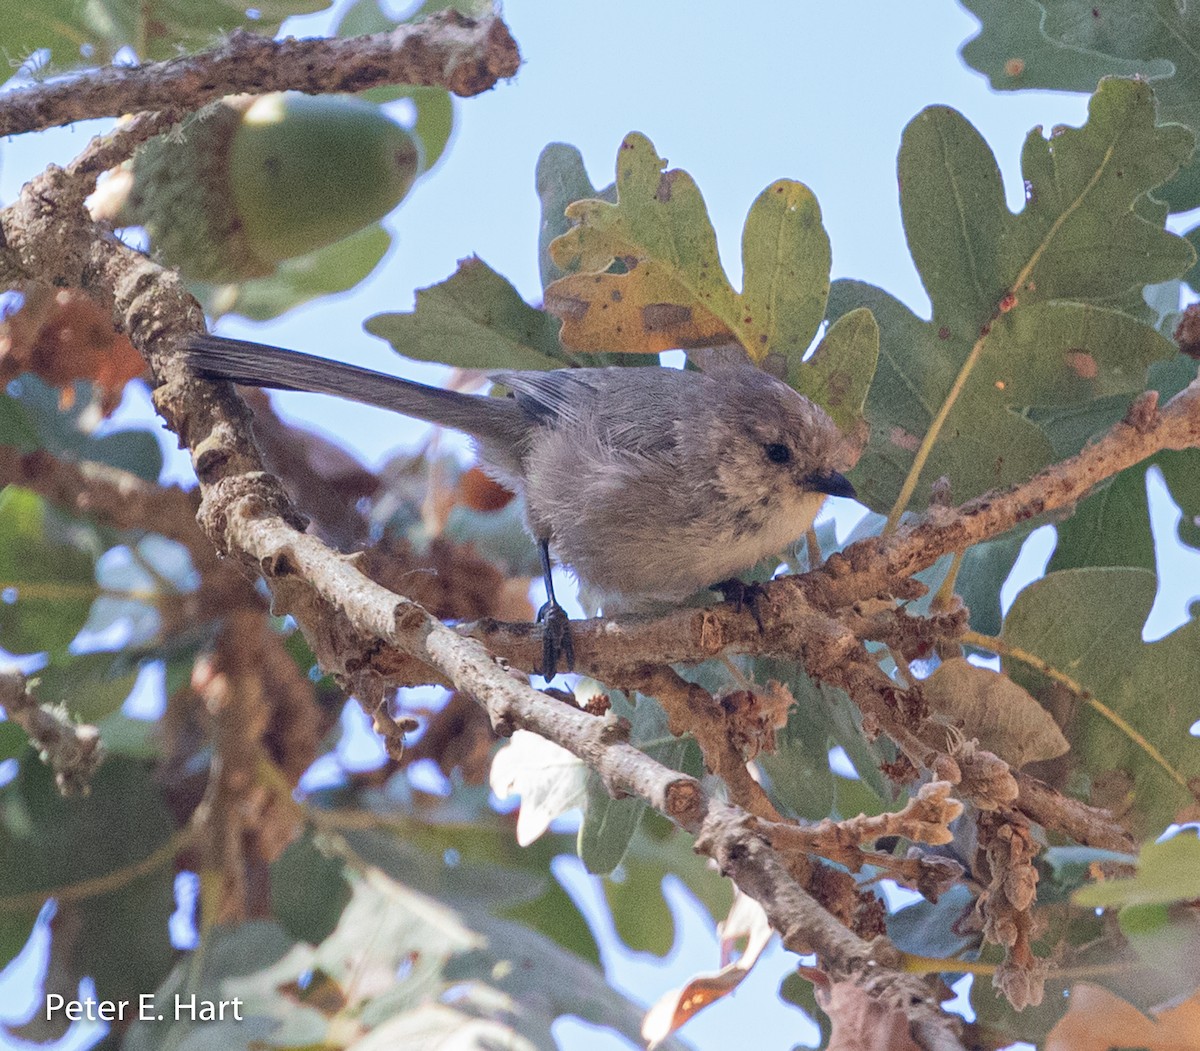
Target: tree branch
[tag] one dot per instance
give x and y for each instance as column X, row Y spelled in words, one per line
column 447, row 50
column 72, row 750
column 870, row 566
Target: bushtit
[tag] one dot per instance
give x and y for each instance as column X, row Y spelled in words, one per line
column 650, row 483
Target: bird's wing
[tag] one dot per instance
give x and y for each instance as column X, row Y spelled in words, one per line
column 550, row 397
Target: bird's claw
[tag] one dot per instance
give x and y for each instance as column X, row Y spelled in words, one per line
column 556, row 639
column 743, row 595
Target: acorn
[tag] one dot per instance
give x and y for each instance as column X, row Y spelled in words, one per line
column 250, row 181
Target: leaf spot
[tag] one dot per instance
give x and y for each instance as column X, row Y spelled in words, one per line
column 658, row 316
column 838, row 386
column 1083, row 364
column 666, row 183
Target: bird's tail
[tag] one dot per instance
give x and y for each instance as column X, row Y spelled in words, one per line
column 258, row 365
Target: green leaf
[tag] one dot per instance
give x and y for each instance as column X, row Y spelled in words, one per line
column 71, row 434
column 838, row 375
column 1014, row 53
column 1111, row 527
column 801, row 993
column 1087, row 623
column 800, row 781
column 48, row 842
column 308, row 890
column 124, row 942
column 931, row 928
column 609, row 824
column 90, row 685
column 15, row 426
column 1068, row 45
column 474, row 320
column 914, row 377
column 673, row 291
column 434, row 107
column 785, row 264
column 335, row 268
column 15, row 928
column 1021, row 303
column 13, row 742
column 441, row 973
column 641, row 916
column 1167, row 872
column 477, row 863
column 985, row 567
column 48, row 567
column 156, row 31
column 561, row 180
column 1192, row 277
column 434, row 122
column 1069, row 867
column 823, row 716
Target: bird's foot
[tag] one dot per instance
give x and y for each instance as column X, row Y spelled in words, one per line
column 556, row 640
column 743, row 595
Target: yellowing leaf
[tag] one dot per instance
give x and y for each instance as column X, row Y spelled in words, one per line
column 674, row 291
column 1167, row 872
column 643, row 311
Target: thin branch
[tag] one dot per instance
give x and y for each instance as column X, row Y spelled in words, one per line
column 106, row 884
column 691, row 708
column 446, row 50
column 871, row 567
column 925, row 819
column 72, row 750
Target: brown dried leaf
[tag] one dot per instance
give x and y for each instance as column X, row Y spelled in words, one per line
column 747, row 920
column 459, row 736
column 996, row 711
column 62, row 336
column 481, row 493
column 1097, row 1020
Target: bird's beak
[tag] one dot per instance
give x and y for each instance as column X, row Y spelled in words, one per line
column 832, row 483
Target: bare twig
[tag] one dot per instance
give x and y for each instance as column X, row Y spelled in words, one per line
column 690, row 708
column 925, row 819
column 871, row 566
column 447, row 50
column 72, row 750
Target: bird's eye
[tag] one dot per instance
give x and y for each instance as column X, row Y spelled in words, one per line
column 777, row 452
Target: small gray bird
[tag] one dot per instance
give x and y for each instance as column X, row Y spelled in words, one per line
column 650, row 483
